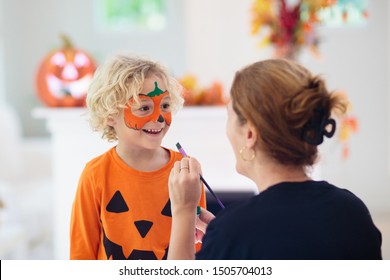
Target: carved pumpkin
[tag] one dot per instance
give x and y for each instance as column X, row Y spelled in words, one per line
column 64, row 75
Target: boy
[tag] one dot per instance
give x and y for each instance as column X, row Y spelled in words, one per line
column 122, row 208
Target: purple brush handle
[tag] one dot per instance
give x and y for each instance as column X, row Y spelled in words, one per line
column 201, row 178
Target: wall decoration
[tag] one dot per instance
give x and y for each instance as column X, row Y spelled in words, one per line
column 197, row 95
column 348, row 125
column 125, row 15
column 63, row 76
column 290, row 25
column 345, row 13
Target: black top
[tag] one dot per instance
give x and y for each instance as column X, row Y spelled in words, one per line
column 291, row 220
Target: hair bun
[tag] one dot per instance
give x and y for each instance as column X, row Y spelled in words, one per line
column 316, row 83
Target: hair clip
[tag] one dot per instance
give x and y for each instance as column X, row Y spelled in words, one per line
column 314, row 133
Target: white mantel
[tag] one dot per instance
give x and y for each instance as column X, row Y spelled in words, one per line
column 200, row 131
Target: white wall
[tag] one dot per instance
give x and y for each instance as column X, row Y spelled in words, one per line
column 218, row 39
column 211, row 40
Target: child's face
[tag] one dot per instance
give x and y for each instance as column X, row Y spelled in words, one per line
column 154, row 105
column 145, row 124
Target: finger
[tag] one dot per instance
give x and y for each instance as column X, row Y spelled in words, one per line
column 201, row 225
column 198, row 236
column 184, row 164
column 176, row 167
column 194, row 165
column 173, row 174
column 206, row 216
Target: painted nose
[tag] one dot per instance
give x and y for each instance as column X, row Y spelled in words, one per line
column 161, row 119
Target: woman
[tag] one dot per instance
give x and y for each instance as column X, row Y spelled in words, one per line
column 278, row 114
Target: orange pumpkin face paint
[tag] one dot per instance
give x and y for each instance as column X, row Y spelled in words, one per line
column 153, row 107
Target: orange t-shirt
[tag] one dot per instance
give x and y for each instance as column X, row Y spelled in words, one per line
column 120, row 212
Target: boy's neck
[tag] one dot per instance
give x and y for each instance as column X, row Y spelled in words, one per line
column 144, row 159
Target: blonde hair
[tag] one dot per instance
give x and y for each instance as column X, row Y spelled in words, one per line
column 120, row 78
column 281, row 98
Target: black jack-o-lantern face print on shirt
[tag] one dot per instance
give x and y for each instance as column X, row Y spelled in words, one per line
column 139, row 232
column 153, row 107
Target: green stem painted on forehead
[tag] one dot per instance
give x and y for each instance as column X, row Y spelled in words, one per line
column 156, row 91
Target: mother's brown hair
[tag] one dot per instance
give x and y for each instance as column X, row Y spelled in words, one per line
column 280, row 98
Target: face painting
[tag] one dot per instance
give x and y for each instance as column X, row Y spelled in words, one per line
column 153, row 107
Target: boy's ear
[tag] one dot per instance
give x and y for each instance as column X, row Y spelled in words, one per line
column 111, row 121
column 251, row 135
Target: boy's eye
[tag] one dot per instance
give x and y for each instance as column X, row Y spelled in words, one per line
column 144, row 108
column 166, row 105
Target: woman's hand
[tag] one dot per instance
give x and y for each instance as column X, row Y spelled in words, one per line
column 185, row 187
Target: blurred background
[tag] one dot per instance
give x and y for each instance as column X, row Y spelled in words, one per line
column 44, row 146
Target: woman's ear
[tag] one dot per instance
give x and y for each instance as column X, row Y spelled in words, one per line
column 251, row 135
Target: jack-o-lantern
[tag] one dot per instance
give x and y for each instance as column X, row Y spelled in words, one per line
column 64, row 75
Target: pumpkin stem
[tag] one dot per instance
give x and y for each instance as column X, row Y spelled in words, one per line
column 66, row 42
